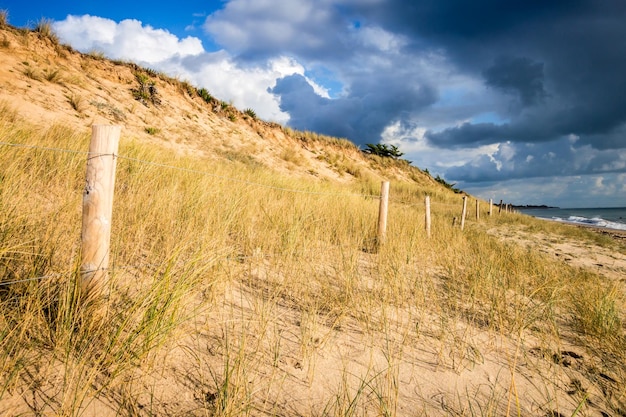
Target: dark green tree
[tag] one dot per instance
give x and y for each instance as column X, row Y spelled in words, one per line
column 384, row 150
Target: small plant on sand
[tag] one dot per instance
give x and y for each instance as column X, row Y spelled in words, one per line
column 152, row 130
column 4, row 18
column 205, row 95
column 151, row 72
column 51, row 75
column 250, row 113
column 76, row 101
column 44, row 29
column 96, row 54
column 31, row 72
column 147, row 91
column 188, row 88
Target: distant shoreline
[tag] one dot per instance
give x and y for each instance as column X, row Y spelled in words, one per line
column 614, row 233
column 617, row 234
column 533, row 207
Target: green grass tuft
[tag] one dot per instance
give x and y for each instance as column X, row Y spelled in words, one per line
column 44, row 28
column 250, row 113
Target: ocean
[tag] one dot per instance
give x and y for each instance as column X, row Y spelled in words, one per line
column 610, row 218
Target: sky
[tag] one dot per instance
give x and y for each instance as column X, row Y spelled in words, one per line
column 520, row 100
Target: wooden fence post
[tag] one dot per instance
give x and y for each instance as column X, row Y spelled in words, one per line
column 427, row 202
column 490, row 206
column 98, row 209
column 464, row 212
column 382, row 212
column 477, row 210
column 500, row 207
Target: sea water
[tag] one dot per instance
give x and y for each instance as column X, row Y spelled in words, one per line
column 610, row 218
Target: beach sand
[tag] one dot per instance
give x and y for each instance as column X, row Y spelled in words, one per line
column 619, row 235
column 606, row 261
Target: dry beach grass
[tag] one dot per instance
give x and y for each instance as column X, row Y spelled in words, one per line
column 231, row 295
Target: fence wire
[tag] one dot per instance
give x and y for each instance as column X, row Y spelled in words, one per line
column 228, row 257
column 194, row 171
column 198, row 172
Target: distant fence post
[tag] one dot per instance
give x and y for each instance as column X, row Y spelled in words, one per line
column 98, row 209
column 427, row 202
column 490, row 206
column 500, row 207
column 464, row 212
column 477, row 210
column 382, row 212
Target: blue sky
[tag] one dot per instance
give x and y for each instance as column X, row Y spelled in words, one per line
column 523, row 100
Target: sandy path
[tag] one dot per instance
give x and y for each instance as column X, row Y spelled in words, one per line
column 609, row 262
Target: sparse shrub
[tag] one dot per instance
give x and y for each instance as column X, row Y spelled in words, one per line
column 291, row 155
column 96, row 54
column 152, row 72
column 7, row 112
column 52, row 75
column 241, row 157
column 224, row 105
column 152, row 130
column 205, row 95
column 250, row 113
column 44, row 29
column 117, row 114
column 4, row 17
column 312, row 137
column 597, row 313
column 76, row 101
column 31, row 73
column 188, row 88
column 113, row 111
column 5, row 42
column 353, row 169
column 147, row 91
column 232, row 117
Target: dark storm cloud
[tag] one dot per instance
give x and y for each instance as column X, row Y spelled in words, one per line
column 470, row 134
column 564, row 59
column 480, row 19
column 520, row 76
column 361, row 115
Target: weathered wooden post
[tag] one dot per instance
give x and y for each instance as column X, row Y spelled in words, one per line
column 382, row 212
column 490, row 206
column 500, row 207
column 427, row 202
column 477, row 210
column 98, row 209
column 464, row 212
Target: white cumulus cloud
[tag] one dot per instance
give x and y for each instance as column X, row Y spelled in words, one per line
column 128, row 39
column 246, row 86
